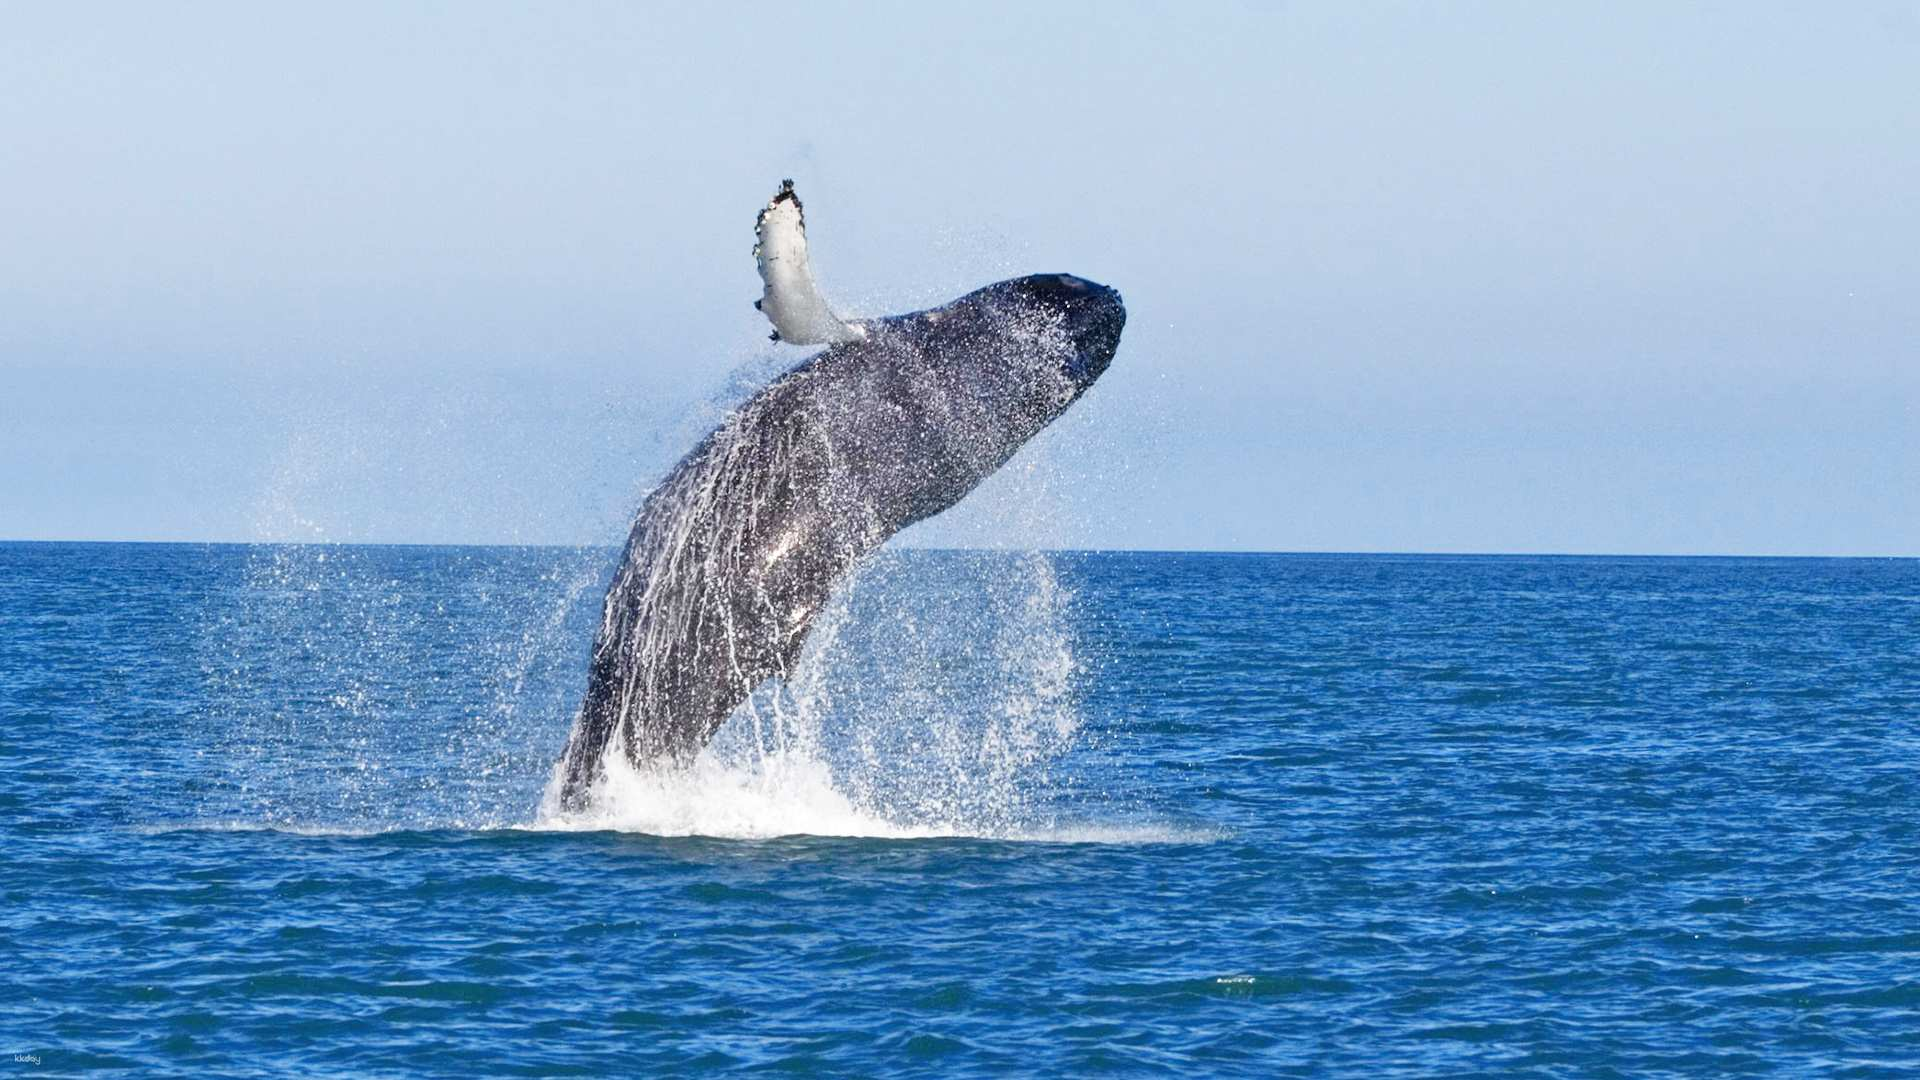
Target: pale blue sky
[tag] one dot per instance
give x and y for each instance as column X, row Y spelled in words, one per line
column 1489, row 277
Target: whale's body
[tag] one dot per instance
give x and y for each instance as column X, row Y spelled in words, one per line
column 736, row 551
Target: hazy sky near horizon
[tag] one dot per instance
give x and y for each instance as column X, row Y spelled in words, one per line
column 1468, row 277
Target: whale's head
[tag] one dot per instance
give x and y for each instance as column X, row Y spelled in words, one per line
column 1085, row 318
column 1056, row 325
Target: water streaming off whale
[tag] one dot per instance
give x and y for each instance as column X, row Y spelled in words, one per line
column 374, row 688
column 734, row 557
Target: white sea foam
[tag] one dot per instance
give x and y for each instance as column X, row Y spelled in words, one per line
column 790, row 793
column 732, row 808
column 782, row 794
column 777, row 794
column 933, row 699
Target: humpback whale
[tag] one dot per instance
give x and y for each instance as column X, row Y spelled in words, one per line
column 735, row 552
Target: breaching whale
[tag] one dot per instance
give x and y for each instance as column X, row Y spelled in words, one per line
column 734, row 553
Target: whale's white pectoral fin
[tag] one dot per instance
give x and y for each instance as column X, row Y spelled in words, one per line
column 790, row 300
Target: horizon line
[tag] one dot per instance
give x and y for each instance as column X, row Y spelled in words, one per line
column 1297, row 553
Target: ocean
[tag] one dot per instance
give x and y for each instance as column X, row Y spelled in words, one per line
column 279, row 811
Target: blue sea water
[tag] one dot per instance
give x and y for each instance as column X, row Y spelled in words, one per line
column 278, row 811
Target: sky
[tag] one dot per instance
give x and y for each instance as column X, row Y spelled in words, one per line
column 1606, row 278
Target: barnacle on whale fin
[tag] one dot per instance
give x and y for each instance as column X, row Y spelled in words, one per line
column 789, row 298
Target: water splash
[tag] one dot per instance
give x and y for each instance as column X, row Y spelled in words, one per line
column 364, row 689
column 944, row 689
column 378, row 687
column 934, row 698
column 782, row 793
column 372, row 687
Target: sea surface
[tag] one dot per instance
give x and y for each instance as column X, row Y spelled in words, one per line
column 278, row 811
